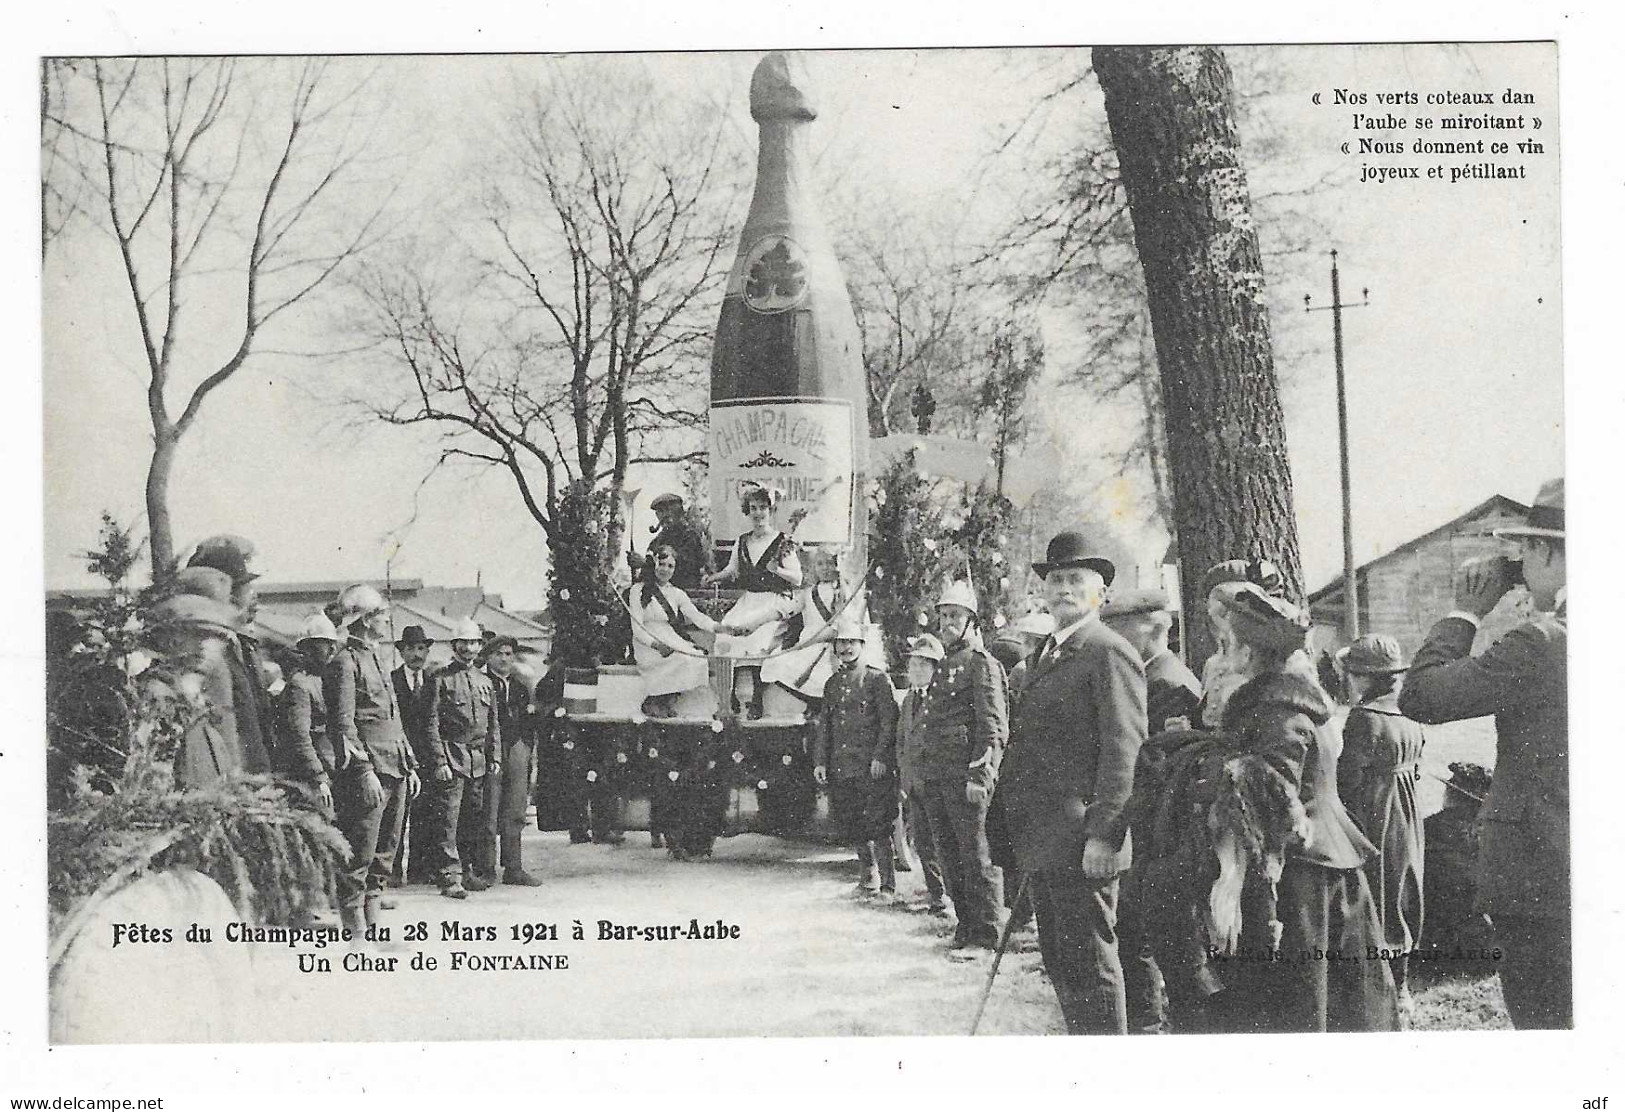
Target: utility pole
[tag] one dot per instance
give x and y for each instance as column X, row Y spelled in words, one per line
column 1351, row 602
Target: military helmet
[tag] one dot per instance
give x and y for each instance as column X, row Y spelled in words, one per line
column 959, row 593
column 849, row 628
column 360, row 600
column 318, row 628
column 467, row 630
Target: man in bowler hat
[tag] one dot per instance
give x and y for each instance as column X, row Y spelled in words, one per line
column 1074, row 738
column 1522, row 680
column 420, row 713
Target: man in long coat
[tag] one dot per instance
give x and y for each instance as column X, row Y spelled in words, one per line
column 1522, row 680
column 1077, row 730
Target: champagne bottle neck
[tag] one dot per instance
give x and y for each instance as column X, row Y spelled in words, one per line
column 780, row 200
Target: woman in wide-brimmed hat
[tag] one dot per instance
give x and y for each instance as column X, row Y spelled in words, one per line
column 1377, row 775
column 1219, row 674
column 1319, row 978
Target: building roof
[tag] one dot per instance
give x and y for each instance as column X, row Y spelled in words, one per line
column 1333, row 591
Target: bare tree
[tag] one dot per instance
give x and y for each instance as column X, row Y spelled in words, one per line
column 218, row 181
column 563, row 334
column 1071, row 241
column 1173, row 126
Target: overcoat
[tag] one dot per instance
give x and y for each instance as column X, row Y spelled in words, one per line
column 1522, row 680
column 857, row 723
column 306, row 750
column 1377, row 776
column 1321, row 980
column 1078, row 726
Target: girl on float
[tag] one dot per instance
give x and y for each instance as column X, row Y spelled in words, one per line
column 805, row 669
column 669, row 660
column 764, row 564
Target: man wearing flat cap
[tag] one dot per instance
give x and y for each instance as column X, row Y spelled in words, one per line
column 1076, row 731
column 1522, row 680
column 1143, row 617
column 675, row 530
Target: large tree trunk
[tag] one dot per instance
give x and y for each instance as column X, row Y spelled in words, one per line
column 1173, row 126
column 162, row 542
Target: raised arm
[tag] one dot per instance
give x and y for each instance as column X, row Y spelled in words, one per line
column 1445, row 684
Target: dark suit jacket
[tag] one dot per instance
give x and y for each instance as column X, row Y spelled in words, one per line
column 1171, row 691
column 1522, row 680
column 1077, row 728
column 420, row 715
column 515, row 715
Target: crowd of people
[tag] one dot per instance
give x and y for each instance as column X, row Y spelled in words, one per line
column 1208, row 854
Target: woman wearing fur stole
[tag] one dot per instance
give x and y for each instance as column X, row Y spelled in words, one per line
column 1291, row 903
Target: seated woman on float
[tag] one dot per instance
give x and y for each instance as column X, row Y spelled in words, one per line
column 765, row 566
column 796, row 677
column 676, row 678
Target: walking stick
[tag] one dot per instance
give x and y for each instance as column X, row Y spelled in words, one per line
column 998, row 955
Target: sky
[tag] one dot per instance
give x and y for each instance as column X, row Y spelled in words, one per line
column 1454, row 369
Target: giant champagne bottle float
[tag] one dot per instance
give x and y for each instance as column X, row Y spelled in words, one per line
column 787, row 381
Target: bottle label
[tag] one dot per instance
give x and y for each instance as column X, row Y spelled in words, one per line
column 802, row 447
column 775, row 275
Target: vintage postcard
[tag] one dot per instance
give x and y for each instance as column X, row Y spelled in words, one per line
column 1001, row 541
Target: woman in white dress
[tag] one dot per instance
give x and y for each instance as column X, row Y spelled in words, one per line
column 662, row 617
column 806, row 668
column 765, row 565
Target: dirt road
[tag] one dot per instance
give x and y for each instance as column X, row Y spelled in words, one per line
column 811, row 958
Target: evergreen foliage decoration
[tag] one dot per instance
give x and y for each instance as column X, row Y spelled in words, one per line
column 581, row 596
column 976, row 535
column 906, row 550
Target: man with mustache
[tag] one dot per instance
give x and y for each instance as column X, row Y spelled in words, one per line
column 1076, row 732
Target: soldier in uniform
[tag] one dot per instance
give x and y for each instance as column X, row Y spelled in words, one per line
column 306, row 747
column 470, row 753
column 963, row 727
column 508, row 794
column 1078, row 727
column 854, row 753
column 415, row 695
column 1143, row 617
column 364, row 723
